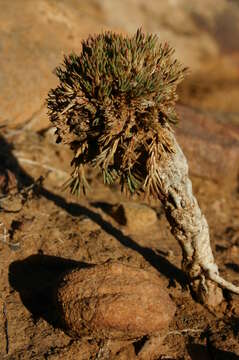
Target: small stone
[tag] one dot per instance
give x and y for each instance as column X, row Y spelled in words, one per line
column 114, row 301
column 137, row 217
column 8, row 179
column 233, row 251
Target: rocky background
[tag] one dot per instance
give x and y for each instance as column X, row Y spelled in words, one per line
column 44, row 230
column 35, row 35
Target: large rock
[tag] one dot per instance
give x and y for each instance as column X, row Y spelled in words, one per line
column 114, row 301
column 211, row 145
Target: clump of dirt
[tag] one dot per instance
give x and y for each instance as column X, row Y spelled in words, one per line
column 45, row 232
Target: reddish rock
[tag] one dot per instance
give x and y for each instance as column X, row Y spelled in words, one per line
column 114, row 301
column 210, row 143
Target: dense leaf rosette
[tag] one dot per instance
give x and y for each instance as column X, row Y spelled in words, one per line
column 113, row 104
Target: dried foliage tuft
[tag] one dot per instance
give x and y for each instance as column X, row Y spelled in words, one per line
column 113, row 104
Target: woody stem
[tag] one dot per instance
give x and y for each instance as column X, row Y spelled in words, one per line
column 190, row 228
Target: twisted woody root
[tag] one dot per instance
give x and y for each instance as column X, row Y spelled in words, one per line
column 114, row 106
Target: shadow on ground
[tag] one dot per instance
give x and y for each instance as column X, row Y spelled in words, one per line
column 36, row 278
column 76, row 210
column 202, row 352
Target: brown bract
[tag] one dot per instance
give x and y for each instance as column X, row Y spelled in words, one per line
column 114, row 301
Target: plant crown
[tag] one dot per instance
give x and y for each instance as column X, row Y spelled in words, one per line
column 114, row 105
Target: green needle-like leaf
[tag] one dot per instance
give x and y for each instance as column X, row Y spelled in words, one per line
column 113, row 105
